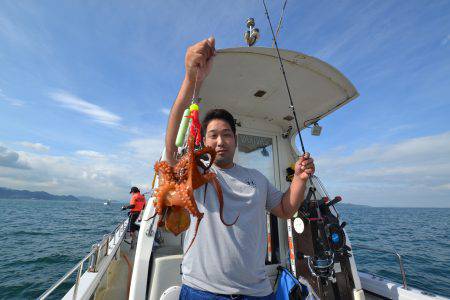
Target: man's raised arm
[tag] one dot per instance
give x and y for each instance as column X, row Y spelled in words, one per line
column 198, row 64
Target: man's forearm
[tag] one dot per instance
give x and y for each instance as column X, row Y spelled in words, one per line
column 127, row 207
column 293, row 197
column 176, row 113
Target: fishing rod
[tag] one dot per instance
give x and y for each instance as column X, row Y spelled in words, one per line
column 292, row 253
column 322, row 265
column 324, row 247
column 285, row 79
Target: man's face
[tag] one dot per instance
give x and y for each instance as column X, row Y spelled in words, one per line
column 221, row 138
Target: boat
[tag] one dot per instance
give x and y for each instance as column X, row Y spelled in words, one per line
column 247, row 82
column 107, row 202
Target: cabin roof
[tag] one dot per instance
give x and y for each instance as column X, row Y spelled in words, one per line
column 248, row 82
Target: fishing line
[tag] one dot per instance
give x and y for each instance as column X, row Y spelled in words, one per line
column 280, row 22
column 194, row 94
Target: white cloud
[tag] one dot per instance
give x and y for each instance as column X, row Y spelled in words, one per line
column 401, row 128
column 10, row 100
column 71, row 175
column 445, row 40
column 409, row 151
column 445, row 186
column 90, row 154
column 86, row 172
column 95, row 112
column 413, row 172
column 35, row 146
column 146, row 149
column 11, row 159
column 165, row 111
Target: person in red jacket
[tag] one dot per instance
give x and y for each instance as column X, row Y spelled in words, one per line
column 137, row 204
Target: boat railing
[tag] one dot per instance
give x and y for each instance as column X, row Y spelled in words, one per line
column 94, row 257
column 395, row 253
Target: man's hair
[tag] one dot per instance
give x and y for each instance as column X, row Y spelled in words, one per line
column 220, row 114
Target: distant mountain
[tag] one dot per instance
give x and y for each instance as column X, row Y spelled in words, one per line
column 6, row 193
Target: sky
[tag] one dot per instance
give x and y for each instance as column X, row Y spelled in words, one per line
column 86, row 87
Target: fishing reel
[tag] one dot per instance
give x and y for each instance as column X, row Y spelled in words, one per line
column 252, row 34
column 336, row 239
column 322, row 266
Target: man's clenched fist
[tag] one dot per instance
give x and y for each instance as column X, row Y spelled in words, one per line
column 198, row 60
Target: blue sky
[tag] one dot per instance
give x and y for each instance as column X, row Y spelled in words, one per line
column 85, row 88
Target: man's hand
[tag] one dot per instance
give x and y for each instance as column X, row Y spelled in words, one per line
column 294, row 196
column 124, row 207
column 198, row 63
column 199, row 57
column 304, row 167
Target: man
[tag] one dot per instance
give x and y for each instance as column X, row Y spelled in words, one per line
column 137, row 204
column 229, row 261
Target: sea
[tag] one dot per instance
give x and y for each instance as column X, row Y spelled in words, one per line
column 42, row 239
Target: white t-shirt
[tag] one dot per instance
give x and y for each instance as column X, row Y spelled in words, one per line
column 231, row 259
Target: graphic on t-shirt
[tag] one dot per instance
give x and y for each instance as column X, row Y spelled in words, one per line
column 250, row 182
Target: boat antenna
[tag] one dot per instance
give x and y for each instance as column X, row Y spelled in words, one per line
column 285, row 79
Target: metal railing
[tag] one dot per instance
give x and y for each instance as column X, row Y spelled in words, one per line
column 399, row 258
column 95, row 256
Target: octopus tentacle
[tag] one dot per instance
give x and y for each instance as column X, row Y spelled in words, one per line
column 206, row 150
column 192, row 206
column 219, row 192
column 199, row 218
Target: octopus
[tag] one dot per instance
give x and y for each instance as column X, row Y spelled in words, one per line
column 175, row 193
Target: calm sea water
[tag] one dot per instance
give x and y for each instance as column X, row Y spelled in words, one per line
column 42, row 240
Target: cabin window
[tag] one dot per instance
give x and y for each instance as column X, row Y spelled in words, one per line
column 257, row 152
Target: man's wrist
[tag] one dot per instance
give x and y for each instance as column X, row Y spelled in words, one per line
column 300, row 179
column 187, row 80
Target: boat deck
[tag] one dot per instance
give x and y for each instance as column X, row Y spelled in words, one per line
column 115, row 285
column 370, row 296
